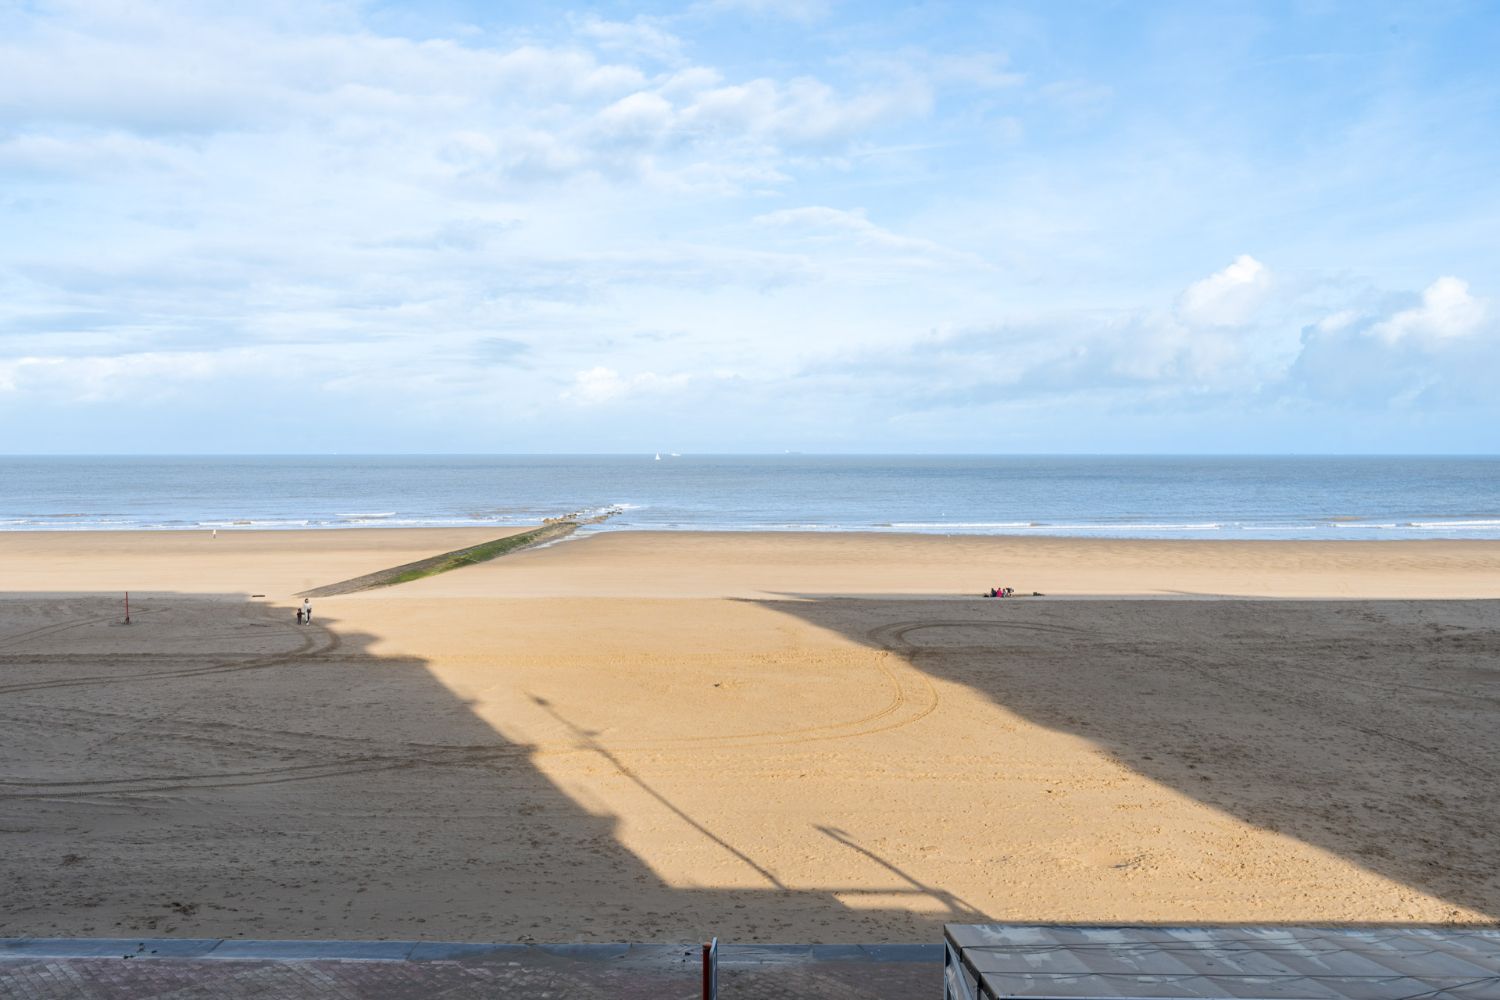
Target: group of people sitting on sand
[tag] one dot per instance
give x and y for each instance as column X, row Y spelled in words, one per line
column 1008, row 592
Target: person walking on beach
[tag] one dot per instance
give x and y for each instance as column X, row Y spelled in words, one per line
column 299, row 616
column 307, row 611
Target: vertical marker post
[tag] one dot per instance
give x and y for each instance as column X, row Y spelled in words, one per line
column 127, row 607
column 711, row 970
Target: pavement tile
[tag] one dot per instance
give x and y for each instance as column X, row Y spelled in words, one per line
column 661, row 973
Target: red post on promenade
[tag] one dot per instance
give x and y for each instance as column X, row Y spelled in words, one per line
column 711, row 970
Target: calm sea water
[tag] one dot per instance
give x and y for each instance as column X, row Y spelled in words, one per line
column 1138, row 497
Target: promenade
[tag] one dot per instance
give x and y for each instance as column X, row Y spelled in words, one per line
column 208, row 969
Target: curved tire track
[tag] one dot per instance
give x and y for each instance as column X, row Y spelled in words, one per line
column 45, row 630
column 449, row 757
column 309, row 646
column 912, row 697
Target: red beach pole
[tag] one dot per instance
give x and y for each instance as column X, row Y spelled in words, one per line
column 127, row 607
column 711, row 970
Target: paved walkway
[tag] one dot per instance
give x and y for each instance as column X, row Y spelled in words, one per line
column 37, row 969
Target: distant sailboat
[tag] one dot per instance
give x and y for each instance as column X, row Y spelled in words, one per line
column 658, row 456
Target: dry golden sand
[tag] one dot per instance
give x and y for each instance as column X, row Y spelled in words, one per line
column 650, row 736
column 275, row 563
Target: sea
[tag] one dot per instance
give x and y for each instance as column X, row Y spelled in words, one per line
column 1238, row 497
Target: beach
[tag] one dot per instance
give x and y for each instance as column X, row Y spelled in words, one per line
column 772, row 737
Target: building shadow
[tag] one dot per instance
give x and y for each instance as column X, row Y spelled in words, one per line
column 216, row 770
column 1367, row 729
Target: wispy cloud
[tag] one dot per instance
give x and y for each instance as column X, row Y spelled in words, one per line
column 820, row 224
column 819, row 227
column 642, row 36
column 804, row 11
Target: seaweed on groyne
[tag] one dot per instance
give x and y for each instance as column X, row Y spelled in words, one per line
column 552, row 529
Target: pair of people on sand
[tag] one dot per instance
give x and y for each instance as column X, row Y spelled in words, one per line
column 304, row 613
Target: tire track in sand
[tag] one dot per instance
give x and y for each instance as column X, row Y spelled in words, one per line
column 363, row 764
column 314, row 643
column 911, row 698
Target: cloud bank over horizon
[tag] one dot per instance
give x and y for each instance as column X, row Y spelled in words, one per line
column 746, row 226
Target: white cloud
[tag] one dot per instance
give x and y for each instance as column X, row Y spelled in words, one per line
column 642, row 36
column 1341, row 320
column 821, row 218
column 1447, row 310
column 1080, row 98
column 595, row 385
column 803, row 110
column 129, row 376
column 599, row 385
column 1229, row 297
column 642, row 117
column 484, row 217
column 684, row 83
column 805, row 11
column 1223, row 339
column 232, row 176
column 1444, row 351
column 54, row 155
column 821, row 223
column 986, row 70
column 313, row 106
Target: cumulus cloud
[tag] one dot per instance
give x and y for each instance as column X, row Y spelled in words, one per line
column 1127, row 357
column 1444, row 351
column 339, row 198
column 532, row 110
column 644, row 116
column 1447, row 311
column 1228, row 297
column 186, row 181
column 1209, row 347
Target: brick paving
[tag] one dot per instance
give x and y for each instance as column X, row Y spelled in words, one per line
column 656, row 972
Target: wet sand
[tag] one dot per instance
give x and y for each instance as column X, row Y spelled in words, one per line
column 653, row 737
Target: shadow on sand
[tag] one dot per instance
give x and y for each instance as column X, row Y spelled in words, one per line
column 1370, row 730
column 216, row 770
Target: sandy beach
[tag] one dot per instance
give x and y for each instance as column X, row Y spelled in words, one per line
column 769, row 737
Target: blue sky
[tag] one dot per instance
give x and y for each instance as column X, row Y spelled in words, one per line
column 749, row 225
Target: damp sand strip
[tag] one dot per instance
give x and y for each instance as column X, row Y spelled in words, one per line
column 457, row 559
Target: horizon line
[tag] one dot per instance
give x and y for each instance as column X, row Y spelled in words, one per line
column 757, row 454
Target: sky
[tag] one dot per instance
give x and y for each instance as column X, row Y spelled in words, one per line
column 749, row 226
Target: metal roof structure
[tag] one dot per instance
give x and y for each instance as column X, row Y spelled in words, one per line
column 1055, row 962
